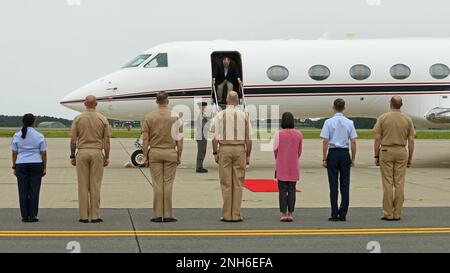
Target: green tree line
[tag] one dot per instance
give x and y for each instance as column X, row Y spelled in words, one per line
column 360, row 123
column 16, row 121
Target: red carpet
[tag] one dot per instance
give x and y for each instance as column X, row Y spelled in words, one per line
column 262, row 185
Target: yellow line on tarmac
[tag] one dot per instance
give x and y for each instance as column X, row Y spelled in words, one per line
column 210, row 233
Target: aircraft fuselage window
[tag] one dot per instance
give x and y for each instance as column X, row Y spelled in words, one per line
column 400, row 71
column 439, row 71
column 360, row 72
column 159, row 60
column 319, row 72
column 137, row 61
column 277, row 73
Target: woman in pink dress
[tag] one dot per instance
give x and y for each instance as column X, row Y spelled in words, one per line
column 287, row 148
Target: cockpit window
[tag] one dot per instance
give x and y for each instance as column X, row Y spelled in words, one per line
column 159, row 60
column 137, row 61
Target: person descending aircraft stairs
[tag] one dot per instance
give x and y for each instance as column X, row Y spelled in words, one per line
column 217, row 106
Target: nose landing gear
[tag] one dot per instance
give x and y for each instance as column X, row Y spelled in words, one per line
column 137, row 157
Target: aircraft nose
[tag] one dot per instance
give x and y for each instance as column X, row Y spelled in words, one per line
column 101, row 88
column 74, row 100
column 71, row 98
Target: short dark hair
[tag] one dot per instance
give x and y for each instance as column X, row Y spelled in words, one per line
column 161, row 97
column 396, row 102
column 339, row 105
column 287, row 120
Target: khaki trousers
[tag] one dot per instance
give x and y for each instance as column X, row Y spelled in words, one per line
column 220, row 95
column 232, row 160
column 163, row 167
column 90, row 175
column 393, row 161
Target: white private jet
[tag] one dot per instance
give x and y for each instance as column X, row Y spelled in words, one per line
column 300, row 76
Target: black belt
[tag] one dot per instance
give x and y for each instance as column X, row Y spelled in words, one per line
column 339, row 149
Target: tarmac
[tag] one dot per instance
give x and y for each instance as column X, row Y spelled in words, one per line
column 127, row 202
column 200, row 231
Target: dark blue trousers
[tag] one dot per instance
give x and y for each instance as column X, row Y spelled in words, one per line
column 29, row 177
column 338, row 167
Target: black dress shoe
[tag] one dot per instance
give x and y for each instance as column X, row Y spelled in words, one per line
column 202, row 170
column 333, row 219
column 157, row 220
column 84, row 221
column 396, row 219
column 26, row 220
column 170, row 219
column 99, row 220
column 342, row 219
column 386, row 219
column 34, row 220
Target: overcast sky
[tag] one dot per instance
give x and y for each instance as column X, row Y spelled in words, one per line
column 49, row 47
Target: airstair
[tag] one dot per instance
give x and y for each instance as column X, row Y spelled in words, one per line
column 217, row 107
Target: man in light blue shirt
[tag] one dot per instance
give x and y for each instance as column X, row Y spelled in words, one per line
column 338, row 134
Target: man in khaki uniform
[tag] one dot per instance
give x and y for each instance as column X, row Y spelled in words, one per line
column 232, row 147
column 393, row 131
column 90, row 135
column 163, row 132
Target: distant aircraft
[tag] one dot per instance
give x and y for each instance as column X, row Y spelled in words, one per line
column 301, row 76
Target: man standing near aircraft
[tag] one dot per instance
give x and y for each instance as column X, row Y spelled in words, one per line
column 163, row 132
column 90, row 134
column 202, row 133
column 393, row 131
column 225, row 74
column 336, row 134
column 232, row 147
